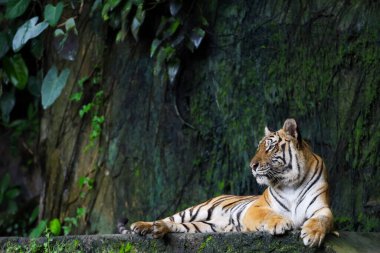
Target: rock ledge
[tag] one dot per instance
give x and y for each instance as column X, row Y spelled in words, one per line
column 210, row 242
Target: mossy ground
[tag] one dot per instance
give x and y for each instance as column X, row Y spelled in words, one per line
column 213, row 242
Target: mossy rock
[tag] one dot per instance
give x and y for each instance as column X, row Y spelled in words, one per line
column 209, row 242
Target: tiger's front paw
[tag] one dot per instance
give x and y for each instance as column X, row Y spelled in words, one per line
column 276, row 225
column 313, row 232
column 160, row 228
column 142, row 227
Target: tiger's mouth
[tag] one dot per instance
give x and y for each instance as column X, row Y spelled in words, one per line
column 262, row 179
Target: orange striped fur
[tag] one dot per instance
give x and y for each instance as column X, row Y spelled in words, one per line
column 296, row 198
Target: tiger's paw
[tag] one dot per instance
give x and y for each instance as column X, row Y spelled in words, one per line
column 276, row 225
column 313, row 232
column 160, row 228
column 142, row 227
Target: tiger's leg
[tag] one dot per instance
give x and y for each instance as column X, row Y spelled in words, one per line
column 261, row 217
column 142, row 227
column 315, row 229
column 196, row 213
column 162, row 227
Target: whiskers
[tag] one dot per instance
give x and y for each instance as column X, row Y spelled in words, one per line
column 274, row 175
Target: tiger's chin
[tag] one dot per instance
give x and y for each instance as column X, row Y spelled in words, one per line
column 262, row 180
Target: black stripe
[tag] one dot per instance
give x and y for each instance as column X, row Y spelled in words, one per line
column 241, row 199
column 191, row 211
column 311, row 202
column 315, row 172
column 265, row 198
column 298, row 167
column 308, row 188
column 230, row 204
column 196, row 228
column 199, row 208
column 273, row 190
column 238, row 216
column 210, row 224
column 278, row 201
column 209, row 213
column 291, row 157
column 171, row 218
column 317, row 211
column 187, row 228
column 182, row 214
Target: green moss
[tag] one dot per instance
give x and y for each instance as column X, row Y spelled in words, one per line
column 204, row 244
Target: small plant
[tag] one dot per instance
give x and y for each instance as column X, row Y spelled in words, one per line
column 91, row 108
column 204, row 244
column 127, row 248
column 71, row 222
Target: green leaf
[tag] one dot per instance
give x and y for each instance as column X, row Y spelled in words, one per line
column 66, row 230
column 4, row 46
column 12, row 193
column 85, row 109
column 95, row 6
column 7, row 102
column 196, row 36
column 70, row 25
column 16, row 8
column 16, row 70
column 81, row 212
column 52, row 13
column 164, row 54
column 153, row 48
column 59, row 32
column 37, row 231
column 4, row 183
column 108, row 6
column 173, row 68
column 71, row 221
column 52, row 86
column 175, row 6
column 77, row 96
column 172, row 28
column 27, row 31
column 55, row 226
column 34, row 215
column 137, row 22
column 126, row 9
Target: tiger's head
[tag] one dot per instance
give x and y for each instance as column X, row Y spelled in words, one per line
column 278, row 159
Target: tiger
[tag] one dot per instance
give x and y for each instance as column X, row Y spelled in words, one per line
column 297, row 196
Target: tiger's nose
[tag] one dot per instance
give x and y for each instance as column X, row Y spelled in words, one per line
column 254, row 166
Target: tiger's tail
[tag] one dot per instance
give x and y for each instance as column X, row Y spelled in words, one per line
column 121, row 226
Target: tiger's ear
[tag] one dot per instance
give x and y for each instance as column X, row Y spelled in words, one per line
column 267, row 131
column 290, row 128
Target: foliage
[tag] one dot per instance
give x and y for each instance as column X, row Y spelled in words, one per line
column 93, row 107
column 13, row 218
column 55, row 226
column 204, row 244
column 13, row 41
column 174, row 32
column 53, row 85
column 47, row 246
column 8, row 202
column 21, row 75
